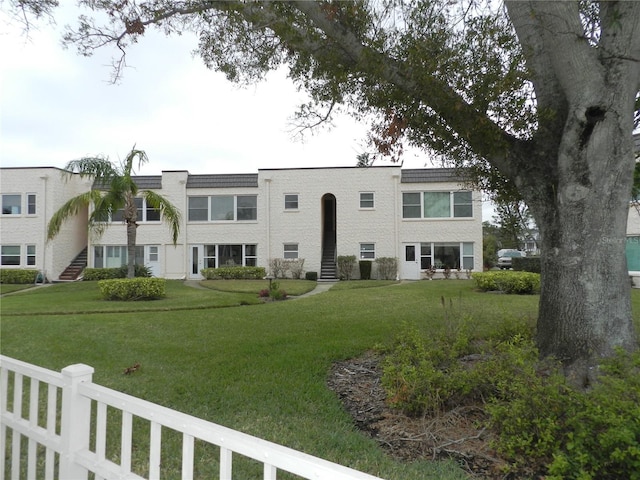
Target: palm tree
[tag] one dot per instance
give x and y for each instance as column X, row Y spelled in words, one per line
column 113, row 189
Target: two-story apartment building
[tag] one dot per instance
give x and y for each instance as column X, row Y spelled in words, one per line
column 423, row 217
column 30, row 196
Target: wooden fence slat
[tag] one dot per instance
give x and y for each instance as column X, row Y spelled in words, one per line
column 155, row 442
column 125, row 450
column 187, row 456
column 15, row 437
column 226, row 462
column 34, row 403
column 52, row 410
column 270, row 472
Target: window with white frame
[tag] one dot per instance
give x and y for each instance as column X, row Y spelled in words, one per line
column 367, row 251
column 411, row 205
column 291, row 201
column 115, row 256
column 457, row 204
column 442, row 255
column 366, row 200
column 31, row 255
column 10, row 255
column 11, row 204
column 225, row 255
column 198, row 209
column 290, row 250
column 31, row 203
column 146, row 213
column 250, row 255
column 223, row 208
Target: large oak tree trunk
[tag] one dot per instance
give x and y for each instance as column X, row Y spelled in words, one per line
column 585, row 307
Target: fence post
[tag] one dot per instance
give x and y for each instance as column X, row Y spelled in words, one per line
column 76, row 419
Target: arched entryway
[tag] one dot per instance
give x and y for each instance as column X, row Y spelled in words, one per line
column 328, row 268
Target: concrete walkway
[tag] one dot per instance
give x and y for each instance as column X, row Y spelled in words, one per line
column 320, row 287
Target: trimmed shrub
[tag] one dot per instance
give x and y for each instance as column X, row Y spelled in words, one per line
column 19, row 276
column 387, row 268
column 295, row 266
column 278, row 267
column 313, row 276
column 346, row 265
column 526, row 264
column 508, row 282
column 93, row 274
column 234, row 273
column 365, row 269
column 133, row 289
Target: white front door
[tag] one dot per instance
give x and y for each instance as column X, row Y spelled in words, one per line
column 410, row 261
column 197, row 261
column 152, row 259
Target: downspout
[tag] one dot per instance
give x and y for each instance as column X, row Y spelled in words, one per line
column 396, row 220
column 267, row 182
column 45, row 244
column 185, row 213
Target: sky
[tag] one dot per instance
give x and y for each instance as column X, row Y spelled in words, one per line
column 57, row 106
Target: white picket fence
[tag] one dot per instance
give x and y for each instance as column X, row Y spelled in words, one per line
column 62, row 432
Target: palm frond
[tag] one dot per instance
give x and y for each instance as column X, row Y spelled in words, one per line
column 127, row 165
column 98, row 168
column 71, row 208
column 168, row 212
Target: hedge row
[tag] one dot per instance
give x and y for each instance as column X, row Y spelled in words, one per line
column 526, row 264
column 93, row 274
column 234, row 273
column 133, row 288
column 11, row 275
column 508, row 282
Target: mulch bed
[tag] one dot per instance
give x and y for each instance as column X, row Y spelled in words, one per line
column 454, row 434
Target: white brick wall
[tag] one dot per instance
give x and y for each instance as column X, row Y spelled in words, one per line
column 52, row 191
column 382, row 225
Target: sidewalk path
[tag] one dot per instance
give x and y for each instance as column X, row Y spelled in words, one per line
column 320, row 287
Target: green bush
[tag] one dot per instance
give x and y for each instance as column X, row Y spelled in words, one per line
column 365, row 269
column 423, row 375
column 387, row 268
column 234, row 273
column 93, row 274
column 543, row 427
column 346, row 265
column 602, row 439
column 133, row 289
column 313, row 276
column 526, row 264
column 508, row 281
column 21, row 276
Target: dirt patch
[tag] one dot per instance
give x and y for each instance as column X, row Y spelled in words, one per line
column 455, row 434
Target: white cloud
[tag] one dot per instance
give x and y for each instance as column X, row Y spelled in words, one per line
column 57, row 106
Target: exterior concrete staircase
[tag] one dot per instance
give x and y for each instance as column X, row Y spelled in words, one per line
column 75, row 268
column 328, row 267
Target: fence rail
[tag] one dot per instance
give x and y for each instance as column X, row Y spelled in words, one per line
column 64, row 429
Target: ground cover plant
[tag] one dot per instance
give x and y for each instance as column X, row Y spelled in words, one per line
column 262, row 368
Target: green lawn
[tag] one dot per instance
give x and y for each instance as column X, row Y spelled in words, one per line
column 258, row 368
